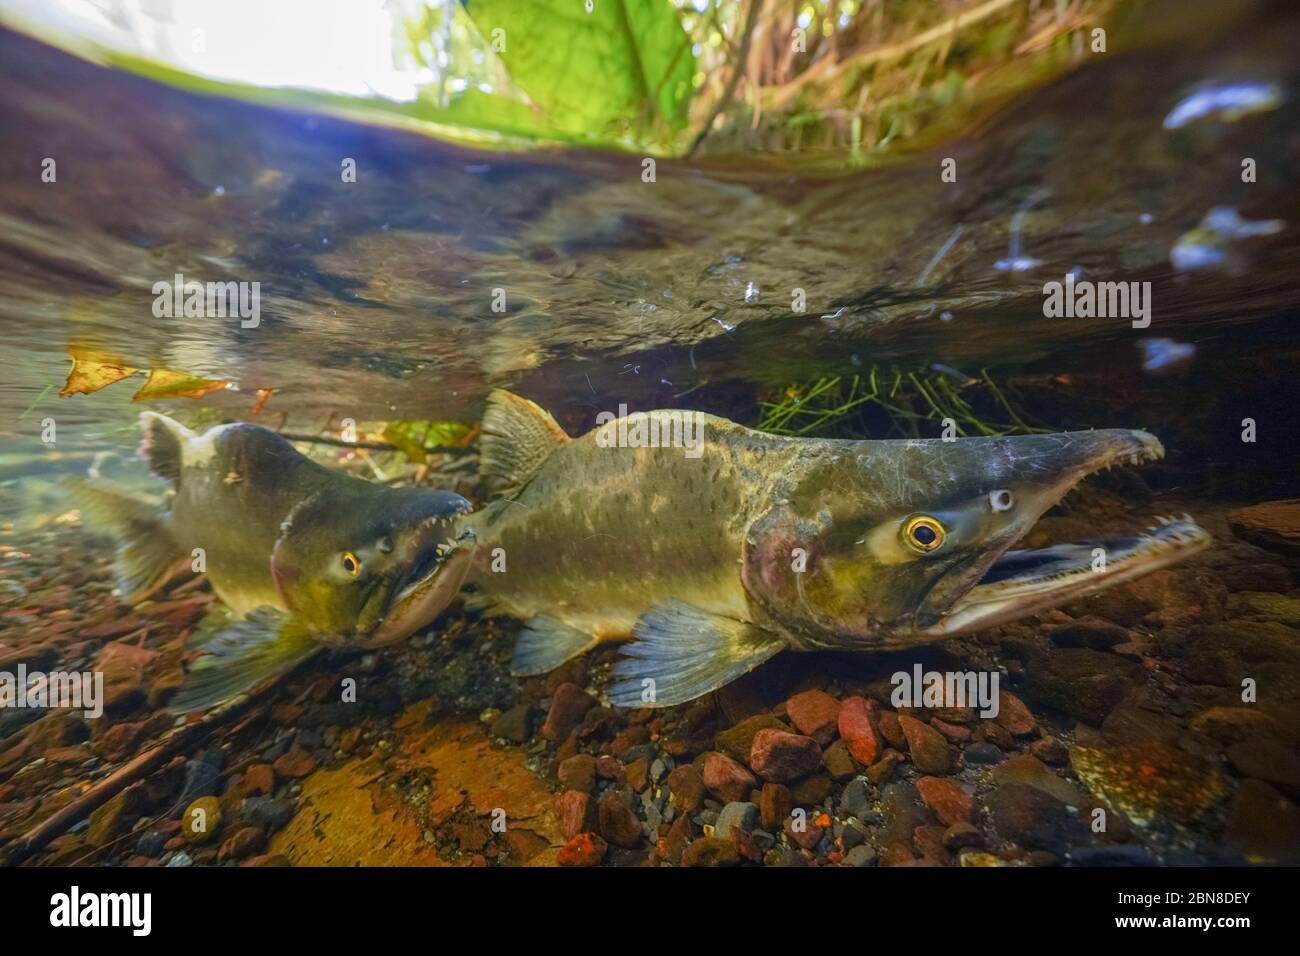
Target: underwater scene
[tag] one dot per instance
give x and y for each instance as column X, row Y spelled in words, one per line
column 650, row 433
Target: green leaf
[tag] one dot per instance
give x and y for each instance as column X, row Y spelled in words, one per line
column 620, row 72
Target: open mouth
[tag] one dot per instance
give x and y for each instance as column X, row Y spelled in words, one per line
column 1021, row 582
column 1018, row 582
column 437, row 570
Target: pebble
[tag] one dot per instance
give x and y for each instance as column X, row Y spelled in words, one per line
column 775, row 803
column 854, row 724
column 575, row 812
column 202, row 779
column 201, row 819
column 779, row 757
column 926, row 745
column 687, row 788
column 585, row 849
column 838, row 762
column 815, row 714
column 578, row 773
column 950, row 803
column 737, row 742
column 269, row 813
column 1032, row 818
column 860, row 856
column 1031, row 772
column 983, row 753
column 711, row 851
column 617, row 823
column 856, row 798
column 735, row 816
column 726, row 778
column 569, row 704
column 514, row 725
column 1013, row 716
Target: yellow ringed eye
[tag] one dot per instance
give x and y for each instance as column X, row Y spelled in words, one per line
column 923, row 533
column 351, row 563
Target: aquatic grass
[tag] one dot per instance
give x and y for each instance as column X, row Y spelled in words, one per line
column 894, row 403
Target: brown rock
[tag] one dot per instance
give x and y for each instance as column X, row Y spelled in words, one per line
column 725, row 778
column 611, row 768
column 569, row 704
column 856, row 730
column 244, row 843
column 926, row 745
column 774, row 805
column 1269, row 761
column 887, row 724
column 880, row 771
column 1271, row 524
column 575, row 812
column 1013, row 715
column 780, row 757
column 686, row 788
column 578, row 773
column 1263, row 825
column 711, row 851
column 838, row 762
column 295, row 764
column 617, row 823
column 812, row 791
column 802, row 831
column 258, row 780
column 1051, row 751
column 954, row 732
column 815, row 714
column 737, row 742
column 638, row 774
column 950, row 803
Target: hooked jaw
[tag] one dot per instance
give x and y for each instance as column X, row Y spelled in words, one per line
column 436, row 551
column 1002, row 584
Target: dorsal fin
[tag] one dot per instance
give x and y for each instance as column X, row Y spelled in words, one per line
column 160, row 444
column 517, row 438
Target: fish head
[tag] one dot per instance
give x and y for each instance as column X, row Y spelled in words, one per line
column 908, row 541
column 372, row 565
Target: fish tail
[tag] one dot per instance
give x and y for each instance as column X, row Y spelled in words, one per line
column 161, row 441
column 147, row 553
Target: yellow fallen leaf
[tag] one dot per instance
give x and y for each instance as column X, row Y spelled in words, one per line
column 165, row 383
column 92, row 371
column 262, row 395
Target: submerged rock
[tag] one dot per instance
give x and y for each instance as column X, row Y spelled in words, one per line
column 1273, row 524
column 1150, row 780
column 1264, row 825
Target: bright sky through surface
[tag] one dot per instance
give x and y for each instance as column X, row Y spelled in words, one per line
column 337, row 46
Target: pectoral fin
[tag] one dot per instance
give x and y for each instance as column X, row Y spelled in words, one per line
column 239, row 655
column 679, row 653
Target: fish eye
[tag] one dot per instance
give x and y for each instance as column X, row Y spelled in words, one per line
column 923, row 533
column 1001, row 500
column 386, row 544
column 351, row 563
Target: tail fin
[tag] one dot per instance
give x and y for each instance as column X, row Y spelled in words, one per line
column 518, row 437
column 147, row 554
column 160, row 444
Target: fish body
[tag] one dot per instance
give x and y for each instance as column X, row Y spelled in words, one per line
column 300, row 555
column 714, row 554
